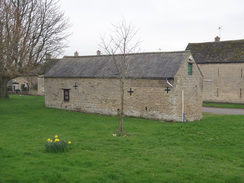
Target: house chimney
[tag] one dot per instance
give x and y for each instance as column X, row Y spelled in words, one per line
column 76, row 54
column 48, row 56
column 98, row 52
column 217, row 39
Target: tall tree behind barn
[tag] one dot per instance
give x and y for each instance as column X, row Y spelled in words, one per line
column 29, row 30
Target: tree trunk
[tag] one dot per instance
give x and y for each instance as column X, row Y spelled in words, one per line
column 121, row 114
column 4, row 87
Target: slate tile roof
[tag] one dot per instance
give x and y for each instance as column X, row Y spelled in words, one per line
column 218, row 52
column 141, row 65
column 44, row 68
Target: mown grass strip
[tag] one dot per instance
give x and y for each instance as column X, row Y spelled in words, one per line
column 223, row 105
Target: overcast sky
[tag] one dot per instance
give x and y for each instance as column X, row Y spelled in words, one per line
column 166, row 25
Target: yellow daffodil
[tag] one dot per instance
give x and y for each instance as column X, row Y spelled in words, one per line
column 56, row 136
column 56, row 140
column 69, row 142
column 51, row 141
column 48, row 140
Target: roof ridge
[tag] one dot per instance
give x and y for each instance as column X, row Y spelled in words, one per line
column 219, row 42
column 139, row 53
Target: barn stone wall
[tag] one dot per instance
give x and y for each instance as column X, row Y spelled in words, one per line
column 148, row 100
column 223, row 82
column 159, row 99
column 190, row 88
column 40, row 84
column 102, row 96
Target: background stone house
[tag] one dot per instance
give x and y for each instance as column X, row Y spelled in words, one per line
column 222, row 65
column 32, row 84
column 163, row 86
column 23, row 85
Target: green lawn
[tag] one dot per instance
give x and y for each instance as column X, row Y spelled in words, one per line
column 206, row 151
column 223, row 105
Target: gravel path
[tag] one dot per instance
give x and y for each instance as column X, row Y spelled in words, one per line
column 227, row 111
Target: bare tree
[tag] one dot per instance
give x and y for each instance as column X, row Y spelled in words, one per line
column 29, row 30
column 119, row 44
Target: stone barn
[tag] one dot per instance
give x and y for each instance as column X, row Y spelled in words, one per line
column 163, row 85
column 222, row 65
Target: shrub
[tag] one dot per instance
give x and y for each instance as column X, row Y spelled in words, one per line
column 56, row 145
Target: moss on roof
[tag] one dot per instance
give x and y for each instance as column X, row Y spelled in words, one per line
column 141, row 65
column 218, row 52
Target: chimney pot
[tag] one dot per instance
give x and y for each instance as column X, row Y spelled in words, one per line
column 98, row 52
column 76, row 54
column 217, row 39
column 48, row 56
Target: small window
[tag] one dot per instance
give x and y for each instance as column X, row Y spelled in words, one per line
column 189, row 68
column 66, row 95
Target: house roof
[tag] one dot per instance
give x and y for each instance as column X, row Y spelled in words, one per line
column 141, row 65
column 218, row 52
column 45, row 67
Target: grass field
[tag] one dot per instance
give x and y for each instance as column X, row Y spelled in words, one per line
column 206, row 151
column 223, row 105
